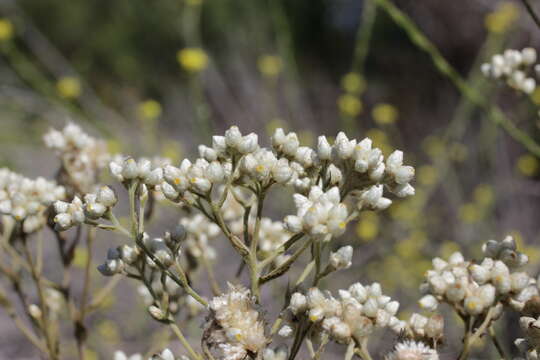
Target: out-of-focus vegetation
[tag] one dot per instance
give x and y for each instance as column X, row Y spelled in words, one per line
column 161, row 76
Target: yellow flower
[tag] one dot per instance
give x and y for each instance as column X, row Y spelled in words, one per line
column 535, row 96
column 427, row 175
column 353, row 83
column 385, row 114
column 368, row 226
column 270, row 65
column 6, row 29
column 149, row 110
column 502, row 18
column 350, row 105
column 448, row 248
column 528, row 165
column 69, row 87
column 172, row 150
column 433, row 146
column 109, row 330
column 380, row 140
column 458, row 151
column 470, row 213
column 484, row 194
column 192, row 59
column 114, row 146
column 81, row 257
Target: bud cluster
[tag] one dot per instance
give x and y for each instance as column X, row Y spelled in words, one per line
column 82, row 156
column 320, row 214
column 94, row 207
column 356, row 314
column 148, row 172
column 513, row 66
column 473, row 288
column 26, row 200
column 234, row 327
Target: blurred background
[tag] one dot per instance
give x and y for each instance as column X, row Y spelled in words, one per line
column 160, row 77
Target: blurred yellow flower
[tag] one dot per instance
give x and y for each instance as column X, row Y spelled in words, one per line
column 80, row 258
column 109, row 331
column 427, row 175
column 470, row 213
column 502, row 18
column 350, row 105
column 149, row 110
column 368, row 226
column 114, row 146
column 433, row 146
column 458, row 151
column 535, row 96
column 275, row 123
column 90, row 354
column 306, row 138
column 448, row 248
column 528, row 165
column 484, row 194
column 6, row 29
column 69, row 87
column 385, row 114
column 270, row 65
column 353, row 83
column 192, row 59
column 380, row 140
column 172, row 150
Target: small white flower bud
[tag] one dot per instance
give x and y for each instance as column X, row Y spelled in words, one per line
column 528, row 56
column 156, row 312
column 428, row 302
column 34, row 311
column 370, row 307
column 298, row 303
column 248, row 144
column 233, row 137
column 130, row 169
column 215, row 172
column 95, row 210
column 341, row 259
column 324, row 150
column 291, row 144
column 285, row 331
column 473, row 305
column 293, row 223
column 154, row 177
column 106, row 196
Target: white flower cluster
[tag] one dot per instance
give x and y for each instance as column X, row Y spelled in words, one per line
column 95, row 206
column 148, row 172
column 26, row 200
column 420, row 327
column 356, row 314
column 513, row 66
column 412, row 350
column 200, row 231
column 234, row 328
column 320, row 214
column 473, row 288
column 82, row 156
